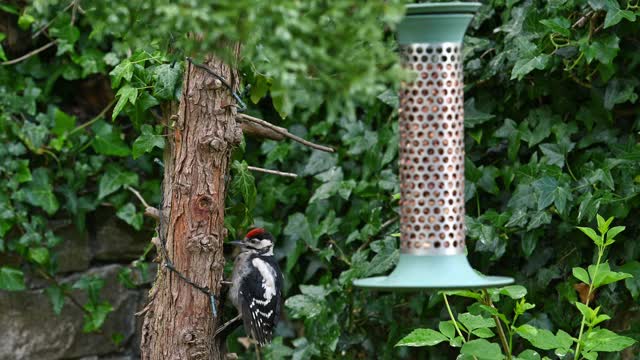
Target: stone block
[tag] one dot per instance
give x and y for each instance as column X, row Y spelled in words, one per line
column 31, row 330
column 113, row 239
column 73, row 253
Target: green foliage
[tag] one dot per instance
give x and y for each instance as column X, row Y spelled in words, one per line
column 587, row 344
column 552, row 141
column 304, row 55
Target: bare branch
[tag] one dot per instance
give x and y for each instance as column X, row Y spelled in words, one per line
column 255, row 129
column 284, row 132
column 582, row 20
column 273, row 172
column 29, row 54
column 149, row 211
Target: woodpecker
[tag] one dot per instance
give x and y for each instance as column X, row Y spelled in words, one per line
column 256, row 285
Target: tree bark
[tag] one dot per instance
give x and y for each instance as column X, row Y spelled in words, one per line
column 178, row 323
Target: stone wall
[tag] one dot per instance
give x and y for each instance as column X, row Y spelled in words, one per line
column 29, row 329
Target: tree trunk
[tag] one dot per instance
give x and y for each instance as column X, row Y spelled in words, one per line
column 178, row 323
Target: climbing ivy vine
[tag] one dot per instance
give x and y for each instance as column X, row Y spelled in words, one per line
column 552, row 139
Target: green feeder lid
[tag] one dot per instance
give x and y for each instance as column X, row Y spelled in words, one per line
column 415, row 272
column 447, row 7
column 436, row 22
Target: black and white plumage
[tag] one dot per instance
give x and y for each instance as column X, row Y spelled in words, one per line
column 256, row 285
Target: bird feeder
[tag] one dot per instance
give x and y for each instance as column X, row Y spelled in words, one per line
column 431, row 113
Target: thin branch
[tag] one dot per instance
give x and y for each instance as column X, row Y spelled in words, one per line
column 255, row 129
column 273, row 172
column 46, row 26
column 149, row 211
column 285, row 132
column 29, row 54
column 95, row 118
column 382, row 227
column 582, row 20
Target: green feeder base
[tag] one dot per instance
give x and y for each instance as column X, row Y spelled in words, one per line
column 415, row 272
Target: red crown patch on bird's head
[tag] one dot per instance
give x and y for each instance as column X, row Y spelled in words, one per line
column 255, row 232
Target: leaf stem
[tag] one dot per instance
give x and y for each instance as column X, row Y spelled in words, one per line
column 455, row 323
column 501, row 334
column 595, row 276
column 566, row 161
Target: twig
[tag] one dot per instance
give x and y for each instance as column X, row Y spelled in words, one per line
column 74, row 11
column 582, row 20
column 149, row 211
column 29, row 54
column 382, row 227
column 255, row 129
column 95, row 118
column 285, row 132
column 46, row 26
column 273, row 172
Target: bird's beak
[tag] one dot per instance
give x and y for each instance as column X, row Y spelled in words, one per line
column 237, row 243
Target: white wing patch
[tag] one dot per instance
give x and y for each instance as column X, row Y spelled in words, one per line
column 268, row 280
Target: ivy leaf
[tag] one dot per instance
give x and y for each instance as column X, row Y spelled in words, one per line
column 39, row 192
column 558, row 24
column 422, row 337
column 66, row 34
column 618, row 92
column 126, row 94
column 124, row 70
column 56, row 295
column 113, row 179
column 303, row 306
column 319, row 161
column 167, row 82
column 529, row 242
column 615, row 14
column 390, row 98
column 129, row 215
column 527, row 65
column 482, row 349
column 39, row 255
column 383, row 261
column 11, row 279
column 244, row 183
column 23, row 173
column 298, row 229
column 632, row 283
column 146, row 142
column 108, row 140
column 473, row 116
column 63, row 122
column 549, row 191
column 95, row 316
column 259, row 88
column 332, row 184
column 603, row 49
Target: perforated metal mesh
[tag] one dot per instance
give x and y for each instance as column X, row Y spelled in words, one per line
column 432, row 151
